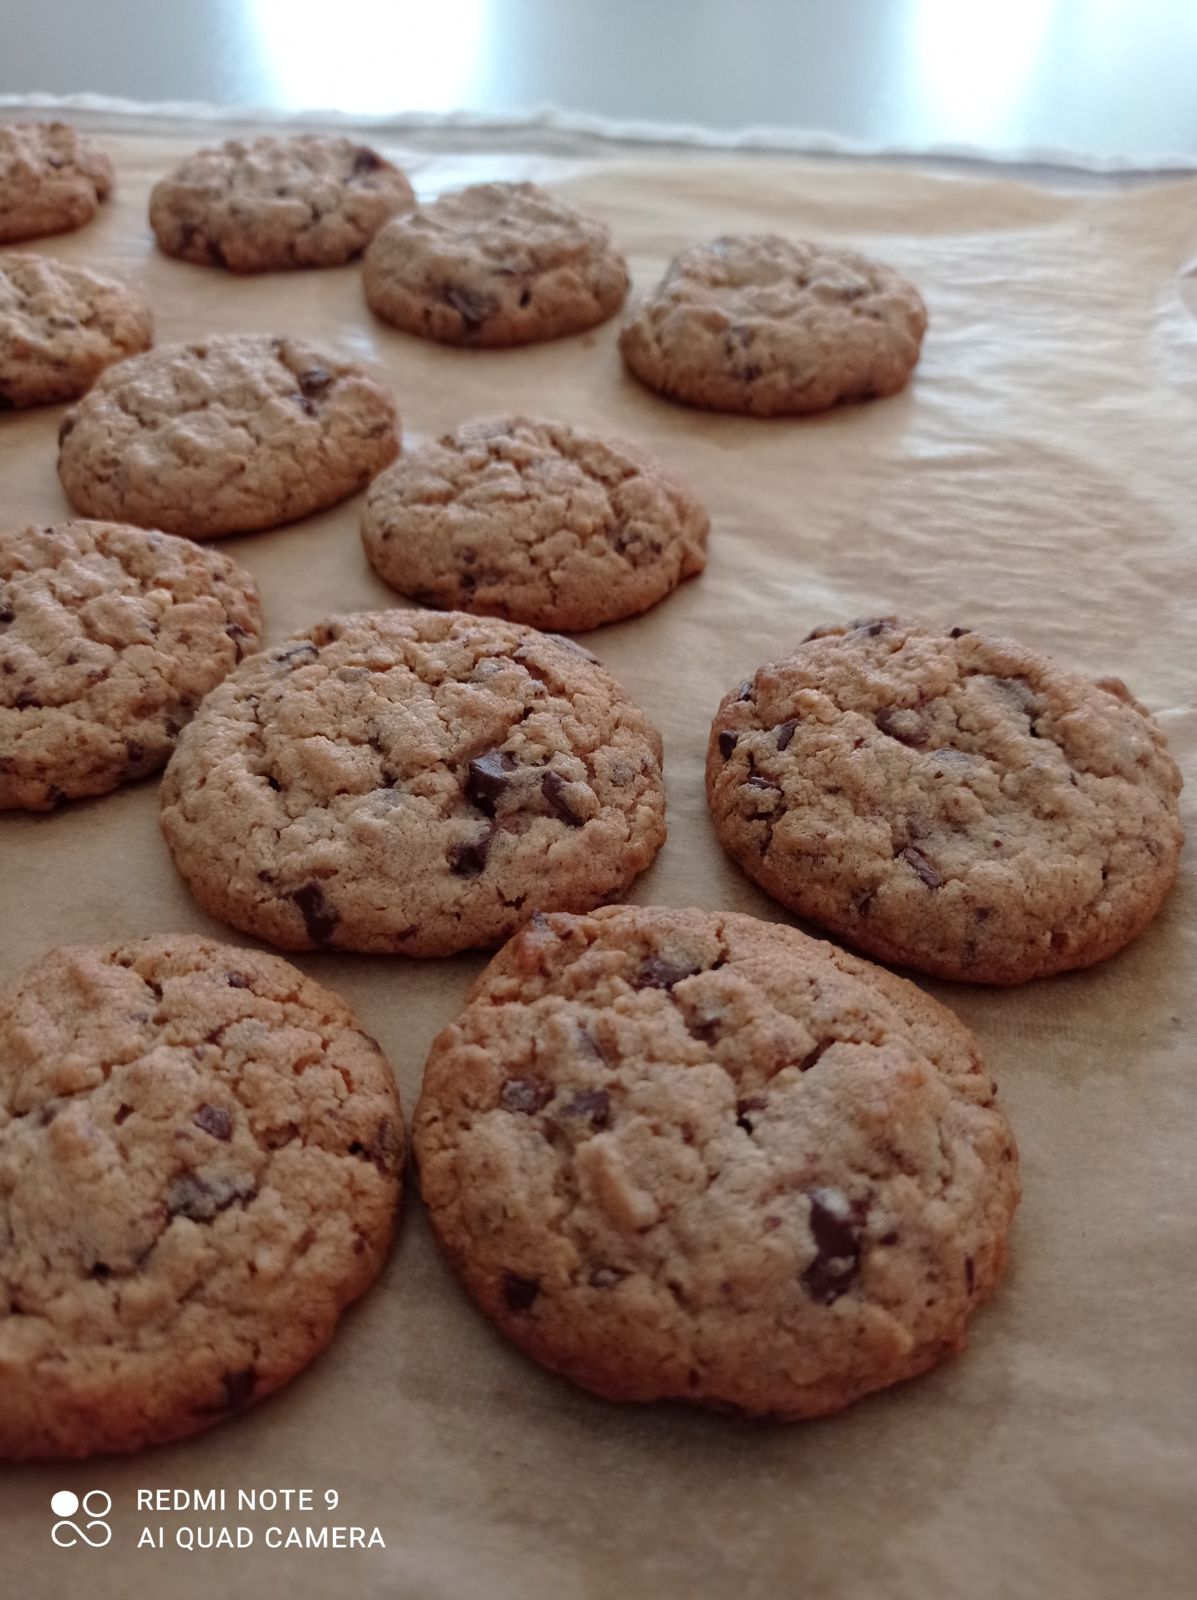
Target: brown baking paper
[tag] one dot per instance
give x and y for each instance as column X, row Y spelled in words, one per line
column 1038, row 478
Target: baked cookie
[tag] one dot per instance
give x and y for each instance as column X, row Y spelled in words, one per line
column 686, row 1155
column 200, row 1160
column 51, row 179
column 109, row 639
column 225, row 436
column 536, row 521
column 259, row 205
column 60, row 326
column 415, row 782
column 495, row 264
column 758, row 324
column 947, row 801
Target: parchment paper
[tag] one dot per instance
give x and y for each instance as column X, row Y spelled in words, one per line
column 1037, row 478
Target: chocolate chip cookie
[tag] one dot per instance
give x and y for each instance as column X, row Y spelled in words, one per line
column 687, row 1155
column 51, row 179
column 948, row 801
column 265, row 204
column 200, row 1162
column 225, row 436
column 495, row 264
column 535, row 521
column 414, row 782
column 109, row 639
column 758, row 324
column 60, row 326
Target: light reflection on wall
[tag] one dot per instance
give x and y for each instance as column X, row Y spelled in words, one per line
column 974, row 66
column 370, row 55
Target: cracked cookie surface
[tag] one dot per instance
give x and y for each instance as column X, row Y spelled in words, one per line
column 948, row 801
column 60, row 326
column 756, row 323
column 495, row 264
column 414, row 782
column 535, row 521
column 52, row 179
column 689, row 1155
column 270, row 203
column 200, row 1161
column 109, row 638
column 227, row 435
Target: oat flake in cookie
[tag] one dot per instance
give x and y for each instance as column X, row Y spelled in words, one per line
column 226, row 435
column 264, row 204
column 495, row 264
column 757, row 324
column 536, row 521
column 60, row 326
column 948, row 801
column 687, row 1155
column 200, row 1161
column 109, row 638
column 414, row 782
column 51, row 179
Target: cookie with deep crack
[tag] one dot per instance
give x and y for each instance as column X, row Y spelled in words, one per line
column 687, row 1155
column 200, row 1165
column 60, row 326
column 495, row 264
column 226, row 435
column 110, row 637
column 759, row 324
column 414, row 782
column 948, row 800
column 275, row 202
column 52, row 179
column 536, row 521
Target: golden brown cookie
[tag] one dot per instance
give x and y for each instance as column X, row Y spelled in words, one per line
column 687, row 1155
column 947, row 800
column 109, row 638
column 415, row 782
column 536, row 521
column 52, row 179
column 200, row 1160
column 495, row 264
column 758, row 324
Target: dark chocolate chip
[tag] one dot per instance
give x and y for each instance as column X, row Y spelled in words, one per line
column 237, row 980
column 473, row 308
column 958, row 633
column 518, row 1292
column 298, row 653
column 239, row 1387
column 25, row 699
column 319, row 918
column 201, row 1199
column 525, row 1095
column 657, row 973
column 813, row 1057
column 970, row 1274
column 872, row 626
column 214, row 1121
column 366, row 160
column 755, row 1102
column 727, row 743
column 122, row 1114
column 487, row 777
column 216, row 257
column 468, row 857
column 315, row 380
column 904, row 725
column 595, row 1104
column 917, row 861
column 757, row 781
column 744, row 692
column 552, row 786
column 837, row 1243
column 134, row 751
column 102, row 1270
column 785, row 732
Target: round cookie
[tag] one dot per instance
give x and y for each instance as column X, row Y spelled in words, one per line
column 535, row 521
column 687, row 1155
column 60, row 326
column 225, row 436
column 200, row 1160
column 109, row 639
column 414, row 782
column 755, row 323
column 265, row 204
column 495, row 264
column 51, row 179
column 947, row 801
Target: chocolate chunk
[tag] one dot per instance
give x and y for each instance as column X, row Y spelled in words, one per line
column 214, row 1121
column 904, row 725
column 468, row 858
column 102, row 1270
column 237, row 980
column 473, row 308
column 123, row 1113
column 657, row 973
column 837, row 1242
column 785, row 732
column 526, row 1096
column 134, row 751
column 594, row 1104
column 727, row 743
column 383, row 1149
column 606, row 1277
column 319, row 918
column 366, row 160
column 552, row 786
column 299, row 654
column 487, row 778
column 758, row 781
column 958, row 633
column 872, row 626
column 744, row 692
column 315, row 380
column 917, row 861
column 25, row 699
column 518, row 1292
column 7, row 615
column 201, row 1199
column 813, row 1057
column 239, row 1387
column 755, row 1102
column 970, row 1274
column 305, row 405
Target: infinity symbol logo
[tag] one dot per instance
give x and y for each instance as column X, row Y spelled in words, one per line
column 95, row 1506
